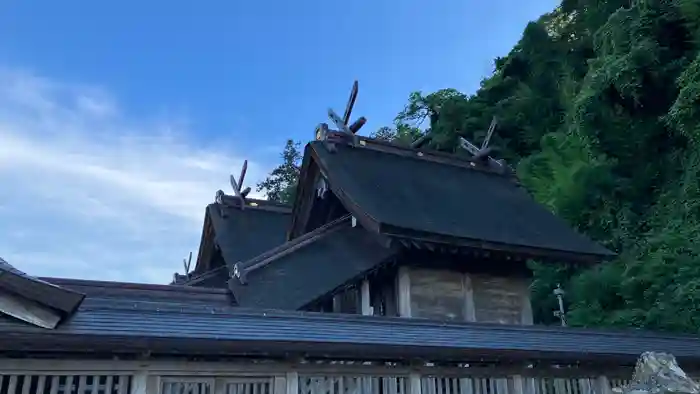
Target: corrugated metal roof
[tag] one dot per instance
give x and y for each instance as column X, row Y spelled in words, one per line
column 135, row 323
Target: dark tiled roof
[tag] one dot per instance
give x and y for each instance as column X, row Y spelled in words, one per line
column 433, row 196
column 215, row 297
column 131, row 321
column 298, row 272
column 37, row 290
column 244, row 233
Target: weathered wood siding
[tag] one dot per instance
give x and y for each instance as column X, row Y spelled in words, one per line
column 501, row 300
column 452, row 295
column 437, row 294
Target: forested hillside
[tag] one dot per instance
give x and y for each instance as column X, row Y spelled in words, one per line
column 598, row 109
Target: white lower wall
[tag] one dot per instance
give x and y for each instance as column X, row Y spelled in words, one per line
column 28, row 376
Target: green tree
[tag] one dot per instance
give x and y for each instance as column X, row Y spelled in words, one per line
column 280, row 185
column 598, row 109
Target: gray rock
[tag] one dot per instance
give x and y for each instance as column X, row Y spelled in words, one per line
column 658, row 373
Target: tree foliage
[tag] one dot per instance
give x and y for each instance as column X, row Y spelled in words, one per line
column 280, row 185
column 599, row 110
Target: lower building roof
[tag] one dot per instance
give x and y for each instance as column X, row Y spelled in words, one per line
column 240, row 232
column 308, row 267
column 174, row 320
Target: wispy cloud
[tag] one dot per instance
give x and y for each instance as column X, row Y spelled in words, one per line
column 89, row 191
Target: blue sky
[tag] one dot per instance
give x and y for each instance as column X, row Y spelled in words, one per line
column 119, row 120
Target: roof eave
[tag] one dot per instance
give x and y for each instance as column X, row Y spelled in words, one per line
column 306, row 175
column 51, row 342
column 206, row 243
column 521, row 251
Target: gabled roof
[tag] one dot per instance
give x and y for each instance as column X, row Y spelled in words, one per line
column 239, row 233
column 34, row 300
column 313, row 265
column 127, row 319
column 433, row 197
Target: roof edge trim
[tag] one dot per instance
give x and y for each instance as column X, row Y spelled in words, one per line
column 241, row 269
column 530, row 251
column 28, row 311
column 234, row 202
column 34, row 300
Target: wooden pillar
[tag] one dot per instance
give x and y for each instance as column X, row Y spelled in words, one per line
column 414, row 386
column 404, row 292
column 280, row 385
column 529, row 385
column 336, row 303
column 469, row 308
column 292, row 383
column 139, row 383
column 604, row 385
column 466, row 386
column 518, row 385
column 366, row 306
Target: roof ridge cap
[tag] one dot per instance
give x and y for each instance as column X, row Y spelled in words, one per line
column 432, row 156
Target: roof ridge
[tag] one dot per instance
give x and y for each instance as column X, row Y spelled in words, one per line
column 241, row 269
column 67, row 283
column 253, row 204
column 434, row 156
column 203, row 275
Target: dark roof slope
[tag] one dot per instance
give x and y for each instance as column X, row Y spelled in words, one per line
column 245, row 233
column 214, row 297
column 135, row 323
column 33, row 300
column 242, row 234
column 40, row 291
column 432, row 197
column 214, row 278
column 298, row 272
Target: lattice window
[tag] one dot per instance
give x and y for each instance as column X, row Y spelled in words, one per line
column 248, row 386
column 469, row 385
column 65, row 384
column 177, row 385
column 211, row 385
column 324, row 384
column 566, row 386
column 618, row 382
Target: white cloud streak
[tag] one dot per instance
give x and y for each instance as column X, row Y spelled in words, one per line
column 88, row 191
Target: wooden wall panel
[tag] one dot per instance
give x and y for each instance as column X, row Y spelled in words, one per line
column 437, row 294
column 501, row 300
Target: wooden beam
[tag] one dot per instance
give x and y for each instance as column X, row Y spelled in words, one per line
column 489, row 133
column 421, row 141
column 351, row 102
column 241, row 177
column 338, row 122
column 357, row 125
